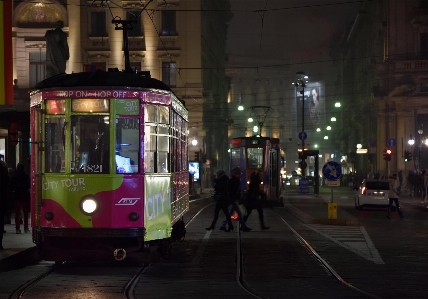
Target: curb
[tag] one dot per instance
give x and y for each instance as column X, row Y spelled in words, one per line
column 29, row 256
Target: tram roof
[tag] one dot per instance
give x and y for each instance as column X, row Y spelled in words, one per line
column 102, row 78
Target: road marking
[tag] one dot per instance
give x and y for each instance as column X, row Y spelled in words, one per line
column 353, row 238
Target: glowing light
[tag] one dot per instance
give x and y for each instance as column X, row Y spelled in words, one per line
column 326, row 137
column 337, row 104
column 328, row 128
column 250, row 120
column 240, row 107
column 89, row 206
column 333, row 118
column 255, row 129
column 318, row 130
column 194, row 142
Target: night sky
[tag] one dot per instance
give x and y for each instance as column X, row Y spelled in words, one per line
column 276, row 32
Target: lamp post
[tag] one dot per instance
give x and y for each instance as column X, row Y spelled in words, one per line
column 420, row 132
column 301, row 82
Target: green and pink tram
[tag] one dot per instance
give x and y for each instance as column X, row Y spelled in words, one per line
column 109, row 166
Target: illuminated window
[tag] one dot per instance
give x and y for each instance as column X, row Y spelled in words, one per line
column 157, row 139
column 254, row 158
column 90, row 143
column 127, row 145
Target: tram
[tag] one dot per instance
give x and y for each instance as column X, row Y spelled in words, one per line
column 109, row 166
column 259, row 153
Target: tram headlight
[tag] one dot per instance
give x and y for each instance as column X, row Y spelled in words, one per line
column 89, row 204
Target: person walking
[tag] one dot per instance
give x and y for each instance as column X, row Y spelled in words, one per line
column 222, row 199
column 4, row 181
column 393, row 196
column 253, row 200
column 234, row 188
column 20, row 186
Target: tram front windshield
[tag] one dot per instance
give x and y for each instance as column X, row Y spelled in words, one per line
column 255, row 157
column 90, row 143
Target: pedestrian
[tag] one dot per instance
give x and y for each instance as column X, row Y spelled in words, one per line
column 222, row 199
column 234, row 187
column 10, row 200
column 20, row 185
column 393, row 196
column 4, row 181
column 254, row 198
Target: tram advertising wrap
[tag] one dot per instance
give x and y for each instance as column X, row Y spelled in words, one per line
column 109, row 167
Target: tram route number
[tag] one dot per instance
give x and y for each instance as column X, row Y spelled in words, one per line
column 92, row 168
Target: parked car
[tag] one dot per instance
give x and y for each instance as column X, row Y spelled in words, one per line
column 372, row 193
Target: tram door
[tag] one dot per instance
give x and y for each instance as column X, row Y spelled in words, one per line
column 36, row 164
column 274, row 173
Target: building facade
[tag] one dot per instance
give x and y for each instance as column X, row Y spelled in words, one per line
column 381, row 67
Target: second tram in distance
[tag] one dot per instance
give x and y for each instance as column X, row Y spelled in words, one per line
column 259, row 153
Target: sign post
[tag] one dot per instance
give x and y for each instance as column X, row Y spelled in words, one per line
column 332, row 172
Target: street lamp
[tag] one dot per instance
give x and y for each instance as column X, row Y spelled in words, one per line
column 411, row 141
column 301, row 82
column 420, row 132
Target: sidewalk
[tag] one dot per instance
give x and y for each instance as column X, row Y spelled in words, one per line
column 19, row 249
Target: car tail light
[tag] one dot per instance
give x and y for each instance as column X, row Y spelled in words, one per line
column 363, row 191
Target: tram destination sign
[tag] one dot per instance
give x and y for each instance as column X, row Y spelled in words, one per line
column 90, row 105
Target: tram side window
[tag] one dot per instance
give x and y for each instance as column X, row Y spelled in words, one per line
column 254, row 157
column 157, row 139
column 90, row 143
column 55, row 144
column 127, row 145
column 163, row 149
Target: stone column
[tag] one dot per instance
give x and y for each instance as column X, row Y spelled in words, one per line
column 74, row 64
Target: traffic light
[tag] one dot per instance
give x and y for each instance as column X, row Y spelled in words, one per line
column 387, row 155
column 407, row 156
column 197, row 156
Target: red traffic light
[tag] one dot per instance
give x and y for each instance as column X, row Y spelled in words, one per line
column 387, row 155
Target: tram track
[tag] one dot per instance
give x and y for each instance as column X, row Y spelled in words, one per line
column 128, row 289
column 34, row 287
column 246, row 286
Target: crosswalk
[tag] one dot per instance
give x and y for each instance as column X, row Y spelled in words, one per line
column 353, row 238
